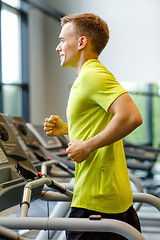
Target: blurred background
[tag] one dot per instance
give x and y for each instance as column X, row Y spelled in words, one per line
column 34, row 86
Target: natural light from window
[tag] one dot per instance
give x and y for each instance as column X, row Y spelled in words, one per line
column 14, row 3
column 10, row 47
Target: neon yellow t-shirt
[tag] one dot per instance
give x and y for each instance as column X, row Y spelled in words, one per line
column 101, row 181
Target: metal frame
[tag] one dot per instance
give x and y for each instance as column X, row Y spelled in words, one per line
column 46, row 8
column 149, row 94
column 9, row 234
column 25, row 7
column 70, row 224
column 73, row 224
column 25, row 65
column 1, row 106
column 58, row 221
column 24, row 85
column 149, row 105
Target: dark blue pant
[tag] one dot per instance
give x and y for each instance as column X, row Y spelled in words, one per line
column 130, row 217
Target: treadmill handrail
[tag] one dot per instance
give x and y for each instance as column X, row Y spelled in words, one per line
column 147, row 198
column 73, row 224
column 37, row 183
column 9, row 234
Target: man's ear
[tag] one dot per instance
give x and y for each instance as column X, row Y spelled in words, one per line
column 82, row 42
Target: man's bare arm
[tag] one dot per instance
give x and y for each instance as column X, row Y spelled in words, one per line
column 126, row 118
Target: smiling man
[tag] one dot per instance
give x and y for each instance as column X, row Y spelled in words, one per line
column 70, row 52
column 100, row 114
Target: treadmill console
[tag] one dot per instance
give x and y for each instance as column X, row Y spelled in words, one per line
column 16, row 168
column 34, row 149
column 46, row 141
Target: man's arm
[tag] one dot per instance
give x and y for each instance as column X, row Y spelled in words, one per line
column 126, row 117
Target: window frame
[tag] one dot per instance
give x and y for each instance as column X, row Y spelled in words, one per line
column 24, row 84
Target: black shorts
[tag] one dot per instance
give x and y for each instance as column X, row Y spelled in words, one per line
column 130, row 217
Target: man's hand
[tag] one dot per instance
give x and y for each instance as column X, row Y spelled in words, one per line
column 54, row 126
column 77, row 150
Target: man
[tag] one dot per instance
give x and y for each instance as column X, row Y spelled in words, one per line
column 100, row 113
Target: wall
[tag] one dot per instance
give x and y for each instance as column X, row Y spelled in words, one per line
column 37, row 66
column 132, row 54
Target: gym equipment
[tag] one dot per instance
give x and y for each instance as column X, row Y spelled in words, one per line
column 142, row 161
column 8, row 234
column 17, row 172
column 24, row 222
column 16, row 168
column 49, row 145
column 140, row 157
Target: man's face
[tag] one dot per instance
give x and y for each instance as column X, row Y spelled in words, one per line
column 68, row 46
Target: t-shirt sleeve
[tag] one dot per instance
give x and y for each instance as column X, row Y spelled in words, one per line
column 105, row 89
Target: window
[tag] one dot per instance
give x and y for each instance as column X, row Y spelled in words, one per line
column 147, row 99
column 13, row 3
column 14, row 83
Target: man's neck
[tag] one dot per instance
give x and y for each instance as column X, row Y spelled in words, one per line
column 82, row 60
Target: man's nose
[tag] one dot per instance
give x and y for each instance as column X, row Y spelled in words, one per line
column 58, row 49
